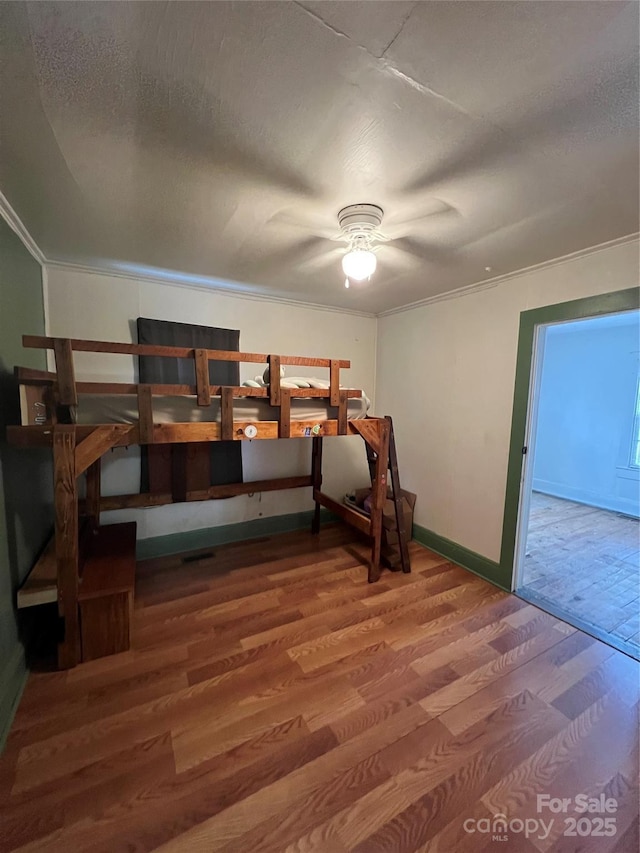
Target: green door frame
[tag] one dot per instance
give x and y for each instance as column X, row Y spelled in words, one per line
column 578, row 309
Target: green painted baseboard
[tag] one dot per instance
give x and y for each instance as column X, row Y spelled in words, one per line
column 209, row 537
column 12, row 681
column 476, row 563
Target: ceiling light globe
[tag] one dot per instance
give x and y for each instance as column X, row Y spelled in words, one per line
column 359, row 264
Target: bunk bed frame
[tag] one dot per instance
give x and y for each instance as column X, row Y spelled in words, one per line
column 78, row 449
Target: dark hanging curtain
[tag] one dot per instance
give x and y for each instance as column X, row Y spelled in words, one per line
column 221, row 459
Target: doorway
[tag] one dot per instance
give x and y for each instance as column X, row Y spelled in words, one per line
column 577, row 551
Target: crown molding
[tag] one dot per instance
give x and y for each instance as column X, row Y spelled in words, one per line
column 488, row 284
column 171, row 279
column 16, row 224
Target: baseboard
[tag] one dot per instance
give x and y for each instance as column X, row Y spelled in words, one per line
column 209, row 537
column 12, row 682
column 580, row 496
column 476, row 563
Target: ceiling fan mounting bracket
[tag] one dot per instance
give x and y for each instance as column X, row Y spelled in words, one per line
column 360, row 220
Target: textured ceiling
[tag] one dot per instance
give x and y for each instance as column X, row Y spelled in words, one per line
column 220, row 139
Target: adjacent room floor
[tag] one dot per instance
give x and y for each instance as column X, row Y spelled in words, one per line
column 275, row 701
column 585, row 563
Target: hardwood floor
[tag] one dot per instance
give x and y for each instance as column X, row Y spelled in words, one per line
column 585, row 561
column 273, row 700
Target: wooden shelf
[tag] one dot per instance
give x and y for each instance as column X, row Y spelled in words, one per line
column 110, row 566
column 105, row 595
column 41, row 585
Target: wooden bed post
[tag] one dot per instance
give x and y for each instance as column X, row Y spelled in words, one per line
column 67, row 392
column 93, row 493
column 66, row 533
column 378, row 497
column 316, row 476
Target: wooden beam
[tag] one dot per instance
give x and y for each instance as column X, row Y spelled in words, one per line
column 284, row 424
column 27, row 375
column 370, row 430
column 102, row 438
column 92, row 503
column 78, row 345
column 316, row 476
column 66, row 536
column 202, row 377
column 342, row 413
column 159, row 390
column 67, row 395
column 229, row 490
column 226, row 414
column 334, row 382
column 145, row 414
column 128, row 434
column 42, row 436
column 355, row 519
column 274, row 380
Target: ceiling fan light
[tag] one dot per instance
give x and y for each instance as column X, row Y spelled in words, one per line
column 359, row 264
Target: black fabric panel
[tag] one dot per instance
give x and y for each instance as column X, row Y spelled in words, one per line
column 225, row 456
column 181, row 371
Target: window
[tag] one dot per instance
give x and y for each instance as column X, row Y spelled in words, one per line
column 635, row 435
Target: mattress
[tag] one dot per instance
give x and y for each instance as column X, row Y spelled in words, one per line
column 123, row 409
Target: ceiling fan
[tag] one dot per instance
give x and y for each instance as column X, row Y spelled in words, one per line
column 360, row 228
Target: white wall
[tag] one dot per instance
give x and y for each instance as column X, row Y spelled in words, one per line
column 586, row 410
column 90, row 305
column 446, row 372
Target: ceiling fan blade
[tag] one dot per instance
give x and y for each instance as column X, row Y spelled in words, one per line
column 321, row 226
column 292, row 256
column 424, row 251
column 325, row 259
column 391, row 255
column 396, row 228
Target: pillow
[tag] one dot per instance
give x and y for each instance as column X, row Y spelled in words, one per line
column 265, row 375
column 251, row 383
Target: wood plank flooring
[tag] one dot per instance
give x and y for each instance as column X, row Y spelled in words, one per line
column 586, row 562
column 275, row 701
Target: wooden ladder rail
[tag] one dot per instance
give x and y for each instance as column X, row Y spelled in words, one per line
column 405, row 560
column 375, row 432
column 378, row 496
column 397, row 498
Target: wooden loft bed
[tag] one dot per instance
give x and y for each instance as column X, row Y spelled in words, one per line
column 48, row 402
